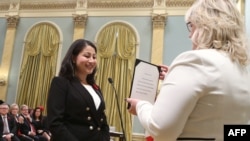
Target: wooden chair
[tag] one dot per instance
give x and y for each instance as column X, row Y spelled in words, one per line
column 118, row 135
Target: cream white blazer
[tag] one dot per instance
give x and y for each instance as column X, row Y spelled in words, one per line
column 202, row 91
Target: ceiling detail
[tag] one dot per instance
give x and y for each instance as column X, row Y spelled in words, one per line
column 71, row 4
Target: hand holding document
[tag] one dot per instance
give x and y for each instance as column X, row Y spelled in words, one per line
column 145, row 81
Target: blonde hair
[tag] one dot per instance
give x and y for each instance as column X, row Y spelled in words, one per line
column 23, row 106
column 13, row 105
column 219, row 25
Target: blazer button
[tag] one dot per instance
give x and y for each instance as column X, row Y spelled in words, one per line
column 91, row 127
column 87, row 109
column 101, row 120
column 89, row 118
column 98, row 128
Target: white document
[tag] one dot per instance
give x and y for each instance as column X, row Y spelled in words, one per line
column 145, row 81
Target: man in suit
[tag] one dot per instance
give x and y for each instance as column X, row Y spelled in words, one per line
column 8, row 128
column 26, row 126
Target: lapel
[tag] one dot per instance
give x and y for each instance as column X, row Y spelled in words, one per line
column 98, row 91
column 84, row 93
column 8, row 120
column 1, row 123
column 26, row 122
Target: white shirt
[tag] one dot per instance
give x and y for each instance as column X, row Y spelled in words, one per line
column 94, row 95
column 4, row 117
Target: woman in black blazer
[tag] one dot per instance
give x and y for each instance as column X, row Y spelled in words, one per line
column 75, row 106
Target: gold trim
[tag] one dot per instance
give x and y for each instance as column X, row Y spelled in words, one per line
column 70, row 4
column 179, row 3
column 80, row 20
column 62, row 8
column 4, row 6
column 47, row 5
column 159, row 20
column 241, row 6
column 120, row 4
column 12, row 20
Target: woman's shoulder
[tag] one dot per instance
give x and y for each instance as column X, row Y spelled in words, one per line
column 201, row 56
column 57, row 78
column 59, row 81
column 200, row 52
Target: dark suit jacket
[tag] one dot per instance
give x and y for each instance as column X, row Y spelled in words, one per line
column 11, row 123
column 25, row 126
column 72, row 114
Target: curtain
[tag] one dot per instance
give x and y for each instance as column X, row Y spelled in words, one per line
column 38, row 65
column 116, row 45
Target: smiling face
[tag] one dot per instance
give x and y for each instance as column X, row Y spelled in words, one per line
column 85, row 61
column 14, row 110
column 25, row 110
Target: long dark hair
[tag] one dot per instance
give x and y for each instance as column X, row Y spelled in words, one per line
column 34, row 113
column 68, row 67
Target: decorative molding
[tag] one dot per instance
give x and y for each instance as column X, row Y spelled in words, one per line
column 138, row 137
column 158, row 3
column 65, row 8
column 47, row 5
column 80, row 20
column 179, row 3
column 159, row 20
column 72, row 4
column 4, row 5
column 120, row 4
column 81, row 4
column 12, row 21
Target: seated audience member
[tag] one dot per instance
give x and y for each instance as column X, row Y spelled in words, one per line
column 14, row 111
column 26, row 126
column 38, row 120
column 8, row 128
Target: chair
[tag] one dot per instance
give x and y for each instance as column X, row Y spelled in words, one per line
column 117, row 135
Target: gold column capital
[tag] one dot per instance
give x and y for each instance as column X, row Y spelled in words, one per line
column 158, row 3
column 80, row 20
column 12, row 20
column 159, row 20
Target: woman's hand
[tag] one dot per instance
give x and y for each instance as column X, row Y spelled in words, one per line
column 20, row 120
column 164, row 70
column 132, row 105
column 39, row 131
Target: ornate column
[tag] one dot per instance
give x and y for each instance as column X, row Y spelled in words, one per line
column 241, row 6
column 80, row 18
column 7, row 54
column 159, row 22
column 80, row 23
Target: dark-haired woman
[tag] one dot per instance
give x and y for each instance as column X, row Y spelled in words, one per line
column 76, row 109
column 38, row 121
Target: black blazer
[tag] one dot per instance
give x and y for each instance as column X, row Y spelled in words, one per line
column 25, row 126
column 72, row 115
column 11, row 123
